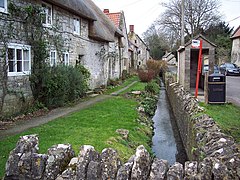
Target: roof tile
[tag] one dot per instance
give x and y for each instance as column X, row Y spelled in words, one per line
column 115, row 18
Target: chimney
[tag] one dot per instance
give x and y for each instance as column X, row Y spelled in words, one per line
column 106, row 11
column 131, row 27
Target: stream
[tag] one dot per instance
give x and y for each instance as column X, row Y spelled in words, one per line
column 166, row 141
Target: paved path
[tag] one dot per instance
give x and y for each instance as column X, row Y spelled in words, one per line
column 56, row 113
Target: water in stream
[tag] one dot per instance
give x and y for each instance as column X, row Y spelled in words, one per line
column 166, row 140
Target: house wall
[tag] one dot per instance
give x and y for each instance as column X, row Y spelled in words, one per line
column 235, row 55
column 124, row 41
column 80, row 47
column 141, row 54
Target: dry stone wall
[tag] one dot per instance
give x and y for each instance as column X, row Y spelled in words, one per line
column 213, row 154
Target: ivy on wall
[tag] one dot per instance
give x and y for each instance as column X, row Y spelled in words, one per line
column 24, row 24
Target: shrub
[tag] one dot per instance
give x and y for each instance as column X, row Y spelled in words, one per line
column 63, row 84
column 157, row 66
column 146, row 75
column 152, row 87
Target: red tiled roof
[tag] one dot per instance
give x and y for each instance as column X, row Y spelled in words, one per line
column 115, row 18
column 236, row 34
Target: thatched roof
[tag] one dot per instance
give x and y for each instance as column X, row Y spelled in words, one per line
column 77, row 7
column 103, row 28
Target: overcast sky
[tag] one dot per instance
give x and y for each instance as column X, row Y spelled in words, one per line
column 142, row 13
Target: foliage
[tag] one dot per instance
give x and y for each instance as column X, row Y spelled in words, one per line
column 157, row 66
column 149, row 104
column 152, row 88
column 198, row 16
column 146, row 75
column 227, row 116
column 63, row 84
column 157, row 42
column 220, row 34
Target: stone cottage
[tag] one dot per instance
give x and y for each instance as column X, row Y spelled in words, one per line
column 86, row 34
column 188, row 62
column 118, row 19
column 235, row 55
column 139, row 51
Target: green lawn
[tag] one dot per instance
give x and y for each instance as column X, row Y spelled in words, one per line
column 128, row 81
column 94, row 126
column 227, row 116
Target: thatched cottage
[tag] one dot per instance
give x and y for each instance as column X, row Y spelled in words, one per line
column 88, row 37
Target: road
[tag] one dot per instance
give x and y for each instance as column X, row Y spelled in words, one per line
column 233, row 89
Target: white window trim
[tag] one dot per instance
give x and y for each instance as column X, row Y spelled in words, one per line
column 79, row 26
column 45, row 23
column 4, row 9
column 20, row 46
column 55, row 58
column 66, row 54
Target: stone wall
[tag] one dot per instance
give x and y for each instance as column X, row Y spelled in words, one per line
column 60, row 163
column 202, row 138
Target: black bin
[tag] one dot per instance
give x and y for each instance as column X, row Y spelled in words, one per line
column 216, row 89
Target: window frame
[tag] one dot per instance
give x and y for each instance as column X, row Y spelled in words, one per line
column 21, row 47
column 4, row 9
column 66, row 61
column 54, row 61
column 45, row 11
column 76, row 27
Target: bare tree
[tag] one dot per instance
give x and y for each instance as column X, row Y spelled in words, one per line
column 199, row 14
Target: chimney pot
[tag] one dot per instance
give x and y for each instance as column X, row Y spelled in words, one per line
column 106, row 11
column 131, row 27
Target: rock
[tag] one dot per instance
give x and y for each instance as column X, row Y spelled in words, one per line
column 141, row 165
column 124, row 171
column 110, row 163
column 233, row 164
column 220, row 171
column 123, row 132
column 136, row 92
column 38, row 165
column 175, row 172
column 191, row 170
column 205, row 169
column 86, row 155
column 94, row 170
column 68, row 174
column 12, row 170
column 21, row 156
column 59, row 157
column 159, row 169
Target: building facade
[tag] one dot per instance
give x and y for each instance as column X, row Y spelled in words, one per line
column 235, row 54
column 77, row 32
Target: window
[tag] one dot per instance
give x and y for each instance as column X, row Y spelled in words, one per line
column 53, row 58
column 3, row 6
column 76, row 26
column 66, row 58
column 19, row 59
column 47, row 10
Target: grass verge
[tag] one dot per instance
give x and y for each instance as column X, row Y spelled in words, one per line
column 227, row 116
column 95, row 126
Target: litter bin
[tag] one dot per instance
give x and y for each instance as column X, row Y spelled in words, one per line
column 216, row 89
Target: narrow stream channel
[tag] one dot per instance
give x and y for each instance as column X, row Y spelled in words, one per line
column 167, row 143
